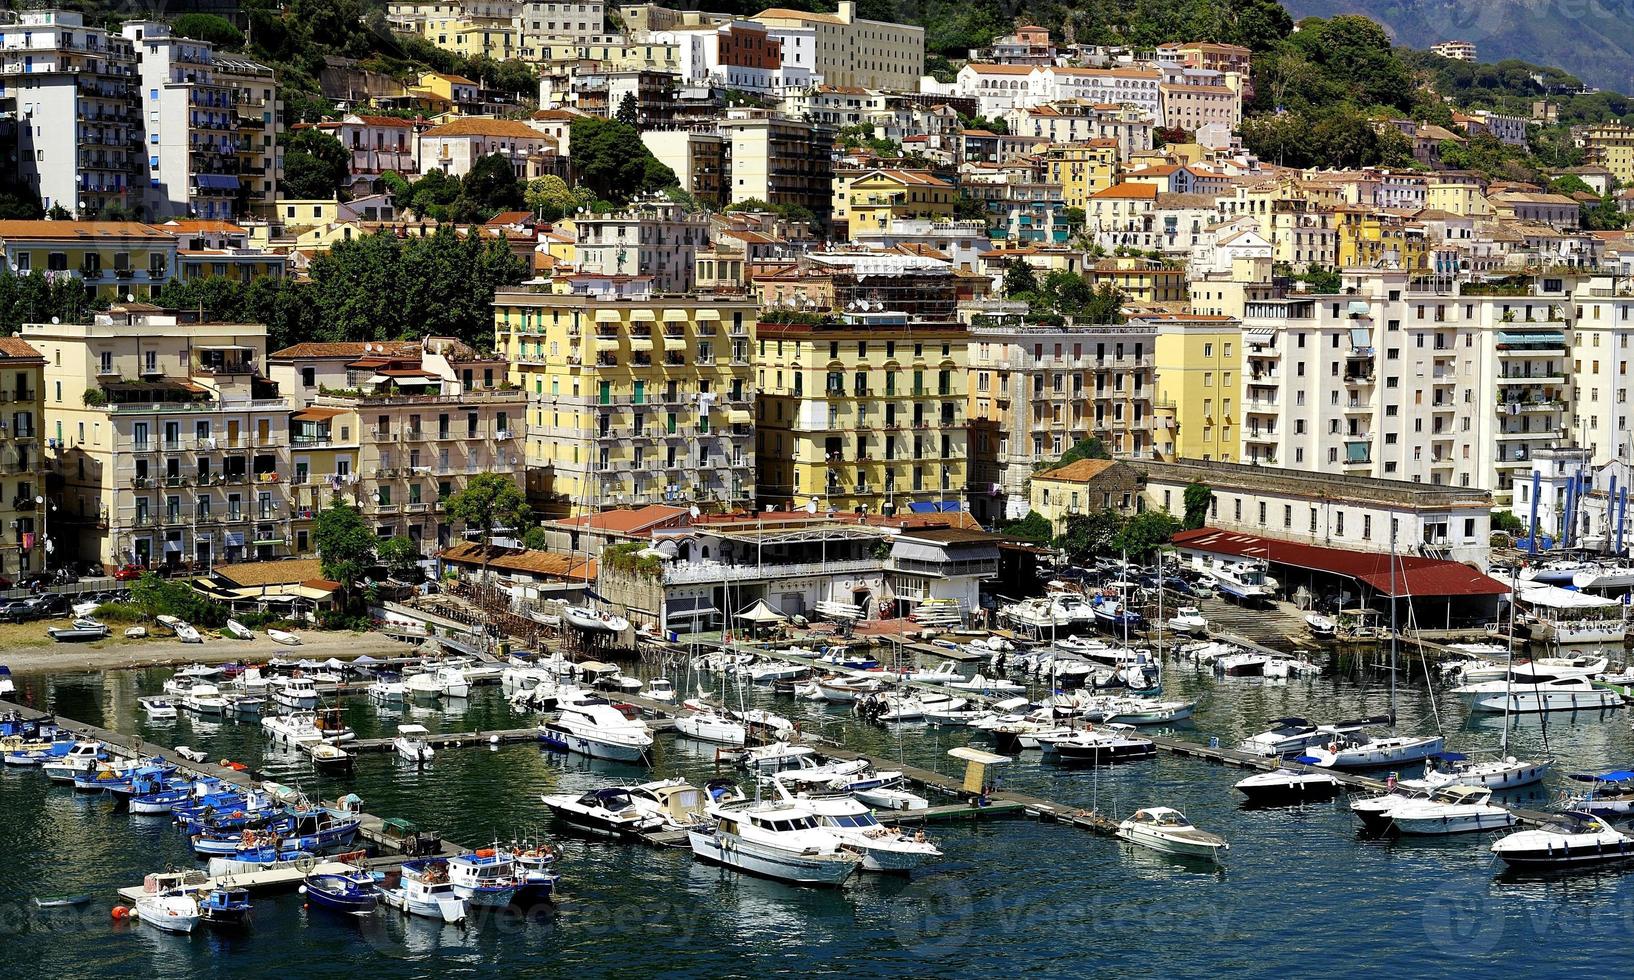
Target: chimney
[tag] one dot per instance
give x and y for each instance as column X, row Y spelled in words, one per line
column 848, row 11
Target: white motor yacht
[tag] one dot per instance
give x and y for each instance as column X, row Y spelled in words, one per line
column 294, row 692
column 158, row 709
column 610, row 811
column 386, row 690
column 1451, row 769
column 440, row 682
column 598, row 730
column 1557, row 694
column 774, row 757
column 1570, row 840
column 1451, row 810
column 1375, row 811
column 774, row 840
column 204, row 699
column 297, row 728
column 1167, row 830
column 661, row 689
column 882, row 848
column 677, row 804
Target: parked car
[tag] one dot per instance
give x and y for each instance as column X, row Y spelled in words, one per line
column 129, row 573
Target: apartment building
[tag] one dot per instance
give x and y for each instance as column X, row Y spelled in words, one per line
column 875, row 201
column 851, row 50
column 862, row 408
column 23, row 523
column 254, row 89
column 395, row 428
column 1456, row 50
column 1082, row 169
column 1609, row 145
column 454, row 147
column 168, row 440
column 1602, row 347
column 191, row 125
column 652, row 238
column 780, row 160
column 1450, row 385
column 698, row 159
column 1036, row 391
column 634, row 397
column 73, row 88
column 1198, row 366
column 113, row 259
column 376, row 144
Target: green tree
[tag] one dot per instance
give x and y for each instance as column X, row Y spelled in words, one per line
column 1507, row 521
column 487, row 501
column 1198, row 498
column 534, row 540
column 1019, row 280
column 1035, row 527
column 1091, row 448
column 401, row 558
column 1321, row 279
column 1091, row 535
column 629, row 112
column 611, row 160
column 549, row 197
column 345, row 546
column 316, row 166
column 490, row 186
column 1105, row 305
column 1144, row 533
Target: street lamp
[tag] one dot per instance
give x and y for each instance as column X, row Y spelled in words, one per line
column 45, row 532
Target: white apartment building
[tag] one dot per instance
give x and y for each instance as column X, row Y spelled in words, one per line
column 190, row 122
column 648, row 238
column 73, row 88
column 1601, row 352
column 1455, row 386
column 455, row 146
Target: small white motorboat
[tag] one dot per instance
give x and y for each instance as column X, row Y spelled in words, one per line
column 890, row 797
column 239, row 631
column 704, row 722
column 190, row 754
column 1167, row 831
column 281, row 636
column 170, row 911
column 595, row 621
column 158, row 709
column 136, row 633
column 82, row 631
column 1321, row 625
column 182, row 630
column 385, row 690
column 1188, row 621
column 411, row 743
column 661, row 689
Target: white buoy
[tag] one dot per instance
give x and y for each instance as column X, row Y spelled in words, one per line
column 493, row 739
column 301, row 890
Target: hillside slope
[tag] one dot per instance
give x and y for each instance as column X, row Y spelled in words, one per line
column 1593, row 41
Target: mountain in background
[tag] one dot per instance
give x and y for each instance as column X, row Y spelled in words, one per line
column 1592, row 40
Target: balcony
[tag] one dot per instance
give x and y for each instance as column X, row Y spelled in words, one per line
column 706, row 572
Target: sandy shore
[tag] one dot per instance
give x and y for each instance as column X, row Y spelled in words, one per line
column 32, row 651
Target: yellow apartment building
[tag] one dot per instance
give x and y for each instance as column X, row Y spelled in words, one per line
column 633, row 397
column 869, row 201
column 1199, row 380
column 114, row 258
column 1610, row 145
column 169, row 441
column 1369, row 239
column 1082, row 169
column 22, row 460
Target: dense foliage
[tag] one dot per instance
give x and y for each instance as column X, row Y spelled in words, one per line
column 378, row 287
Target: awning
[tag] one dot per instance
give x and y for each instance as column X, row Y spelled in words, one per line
column 216, row 182
column 606, row 343
column 642, row 316
column 1361, row 337
column 1552, row 338
column 707, row 314
column 1358, row 308
column 676, row 315
column 318, row 414
column 739, row 416
column 1550, row 597
column 674, row 343
column 640, row 343
column 950, row 506
column 173, row 546
column 675, row 615
column 235, row 537
column 608, row 316
column 928, row 507
column 1260, row 337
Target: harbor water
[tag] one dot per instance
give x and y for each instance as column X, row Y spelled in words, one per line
column 1301, row 889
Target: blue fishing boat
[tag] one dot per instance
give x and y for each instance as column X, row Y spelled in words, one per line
column 533, row 868
column 176, row 793
column 148, row 779
column 225, row 908
column 258, row 859
column 352, row 893
column 484, row 877
column 108, row 777
column 34, row 754
column 307, row 830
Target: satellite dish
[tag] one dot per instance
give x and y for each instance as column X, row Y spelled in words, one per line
column 694, row 510
column 811, row 506
column 55, row 320
column 130, row 297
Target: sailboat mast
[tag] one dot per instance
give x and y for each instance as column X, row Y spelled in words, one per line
column 1392, row 620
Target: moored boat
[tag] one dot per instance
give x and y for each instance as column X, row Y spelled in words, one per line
column 1167, row 831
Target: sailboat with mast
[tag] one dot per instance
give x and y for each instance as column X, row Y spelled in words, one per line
column 1360, row 750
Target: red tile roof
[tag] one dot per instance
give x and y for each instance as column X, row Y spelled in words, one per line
column 1414, row 576
column 630, row 521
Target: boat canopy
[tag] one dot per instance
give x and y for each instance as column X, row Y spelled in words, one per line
column 1551, row 597
column 1617, row 776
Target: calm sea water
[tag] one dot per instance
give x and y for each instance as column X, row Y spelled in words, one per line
column 1301, row 891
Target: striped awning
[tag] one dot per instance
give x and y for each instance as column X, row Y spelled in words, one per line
column 607, row 316
column 676, row 315
column 707, row 314
column 642, row 316
column 641, row 343
column 739, row 416
column 606, row 343
column 674, row 343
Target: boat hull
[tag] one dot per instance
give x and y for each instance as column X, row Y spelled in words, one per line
column 563, row 740
column 797, row 869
